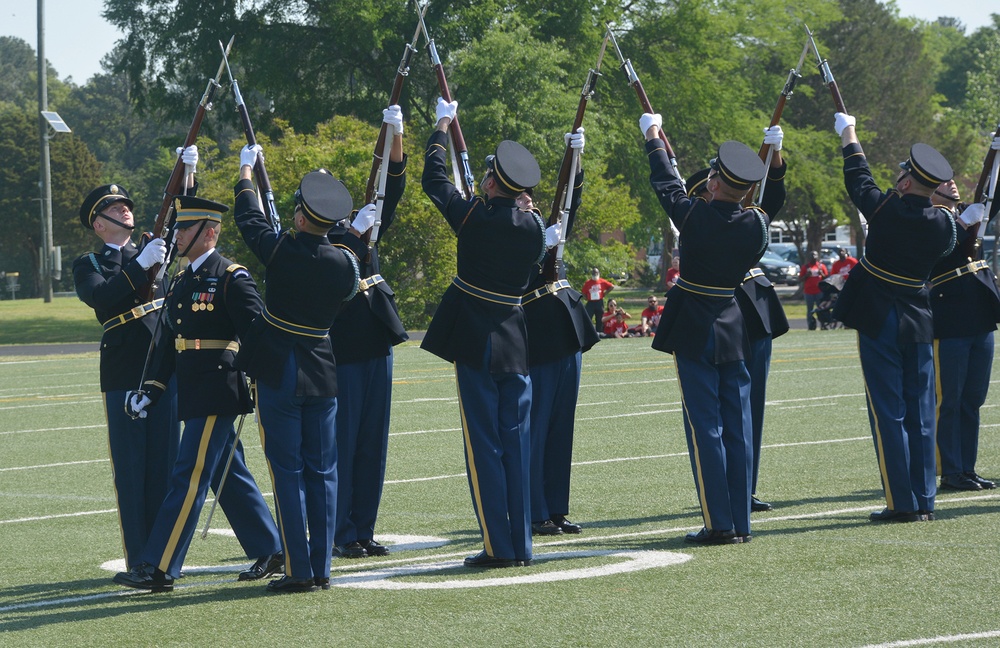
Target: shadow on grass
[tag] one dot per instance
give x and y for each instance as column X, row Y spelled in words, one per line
column 49, row 330
column 83, row 600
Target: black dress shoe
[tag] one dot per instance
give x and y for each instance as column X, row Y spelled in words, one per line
column 523, row 563
column 322, row 582
column 758, row 506
column 145, row 577
column 959, row 482
column 564, row 524
column 928, row 516
column 373, row 548
column 548, row 528
column 289, row 585
column 349, row 550
column 265, row 566
column 483, row 561
column 744, row 538
column 985, row 484
column 890, row 515
column 713, row 537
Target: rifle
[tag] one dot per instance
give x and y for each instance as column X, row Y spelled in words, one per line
column 824, row 69
column 988, row 176
column 378, row 175
column 766, row 152
column 552, row 266
column 259, row 170
column 165, row 218
column 640, row 92
column 467, row 183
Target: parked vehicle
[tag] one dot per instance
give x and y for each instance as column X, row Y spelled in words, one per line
column 777, row 270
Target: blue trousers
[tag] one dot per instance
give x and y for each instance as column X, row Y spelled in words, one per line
column 962, row 369
column 554, row 390
column 363, row 401
column 899, row 383
column 759, row 366
column 716, row 403
column 201, row 459
column 495, row 410
column 298, row 434
column 142, row 455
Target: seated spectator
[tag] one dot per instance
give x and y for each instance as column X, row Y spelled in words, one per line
column 616, row 326
column 649, row 319
column 673, row 272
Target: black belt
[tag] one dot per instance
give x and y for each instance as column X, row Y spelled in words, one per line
column 547, row 289
column 972, row 267
column 487, row 295
column 707, row 291
column 292, row 327
column 136, row 313
column 368, row 282
column 888, row 277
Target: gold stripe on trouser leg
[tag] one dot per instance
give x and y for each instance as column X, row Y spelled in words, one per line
column 277, row 505
column 114, row 483
column 189, row 497
column 697, row 457
column 473, row 475
column 880, row 449
column 938, row 391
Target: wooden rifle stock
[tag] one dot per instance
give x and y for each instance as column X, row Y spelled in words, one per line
column 766, row 153
column 987, row 178
column 397, row 89
column 458, row 141
column 980, row 194
column 165, row 217
column 259, row 170
column 831, row 83
column 640, row 92
column 560, row 208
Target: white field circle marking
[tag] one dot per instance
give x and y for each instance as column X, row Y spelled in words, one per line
column 631, row 561
column 393, row 542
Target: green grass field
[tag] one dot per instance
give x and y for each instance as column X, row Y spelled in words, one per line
column 816, row 574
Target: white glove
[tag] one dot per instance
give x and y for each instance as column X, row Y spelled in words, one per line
column 155, row 252
column 446, row 109
column 972, row 214
column 552, row 235
column 648, row 120
column 575, row 140
column 248, row 155
column 393, row 115
column 773, row 137
column 365, row 218
column 995, row 144
column 136, row 402
column 842, row 121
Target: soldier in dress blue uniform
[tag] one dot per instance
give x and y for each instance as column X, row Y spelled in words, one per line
column 762, row 312
column 966, row 309
column 112, row 281
column 479, row 325
column 703, row 328
column 363, row 335
column 290, row 356
column 559, row 331
column 886, row 300
column 207, row 309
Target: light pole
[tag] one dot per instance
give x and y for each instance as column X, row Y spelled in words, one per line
column 45, row 120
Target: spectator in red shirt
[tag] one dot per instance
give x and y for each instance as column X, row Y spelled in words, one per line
column 616, row 327
column 673, row 272
column 843, row 265
column 650, row 318
column 812, row 273
column 594, row 290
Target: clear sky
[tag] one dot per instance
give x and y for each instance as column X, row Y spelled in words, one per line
column 76, row 36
